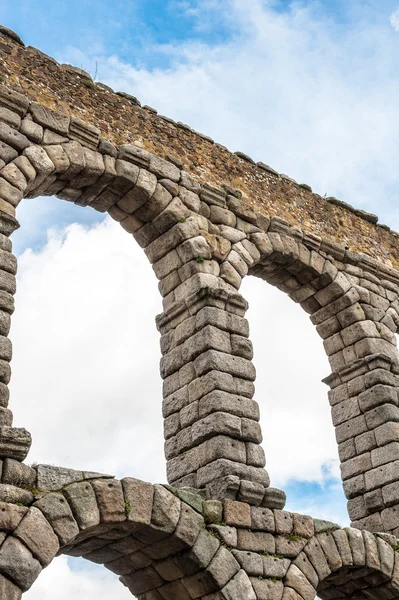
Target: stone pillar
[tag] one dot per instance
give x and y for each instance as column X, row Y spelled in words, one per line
column 212, row 430
column 364, row 406
column 14, row 442
column 368, row 440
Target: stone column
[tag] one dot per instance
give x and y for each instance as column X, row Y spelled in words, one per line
column 364, row 406
column 14, row 442
column 368, row 441
column 212, row 430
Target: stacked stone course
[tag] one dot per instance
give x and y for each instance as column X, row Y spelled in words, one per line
column 219, row 530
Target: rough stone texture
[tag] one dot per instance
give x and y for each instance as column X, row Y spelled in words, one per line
column 58, row 513
column 170, row 551
column 52, row 478
column 36, row 533
column 17, row 563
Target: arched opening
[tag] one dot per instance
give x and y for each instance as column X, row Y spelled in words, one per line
column 85, row 365
column 299, row 439
column 86, row 360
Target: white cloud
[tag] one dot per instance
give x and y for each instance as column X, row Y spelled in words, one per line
column 290, row 362
column 61, row 582
column 85, row 353
column 394, row 19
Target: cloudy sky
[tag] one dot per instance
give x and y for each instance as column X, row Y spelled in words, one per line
column 308, row 87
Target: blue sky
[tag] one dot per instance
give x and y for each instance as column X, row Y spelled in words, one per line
column 127, row 29
column 308, row 87
column 133, row 29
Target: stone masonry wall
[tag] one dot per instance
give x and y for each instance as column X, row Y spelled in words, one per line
column 122, row 120
column 202, row 240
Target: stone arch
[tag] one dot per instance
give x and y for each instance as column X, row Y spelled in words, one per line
column 166, row 543
column 161, row 205
column 344, row 563
column 201, row 242
column 144, row 533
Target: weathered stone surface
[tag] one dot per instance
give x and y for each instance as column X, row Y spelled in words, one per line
column 10, row 117
column 13, row 138
column 239, row 587
column 58, row 513
column 274, row 498
column 212, row 511
column 110, row 500
column 256, row 541
column 84, row 132
column 289, row 546
column 33, row 131
column 49, row 118
column 262, row 519
column 138, row 583
column 11, row 516
column 164, row 169
column 41, row 162
column 237, row 514
column 83, row 503
column 284, row 522
column 275, row 567
column 12, row 99
column 251, row 492
column 222, row 567
column 165, row 510
column 9, row 590
column 200, row 555
column 52, row 478
column 18, row 564
column 251, row 562
column 192, row 499
column 297, row 581
column 144, row 188
column 228, row 535
column 139, row 498
column 36, row 533
column 11, row 493
column 225, row 467
column 186, row 532
column 269, row 589
column 356, row 543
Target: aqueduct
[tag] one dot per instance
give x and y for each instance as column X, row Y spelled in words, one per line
column 205, row 218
